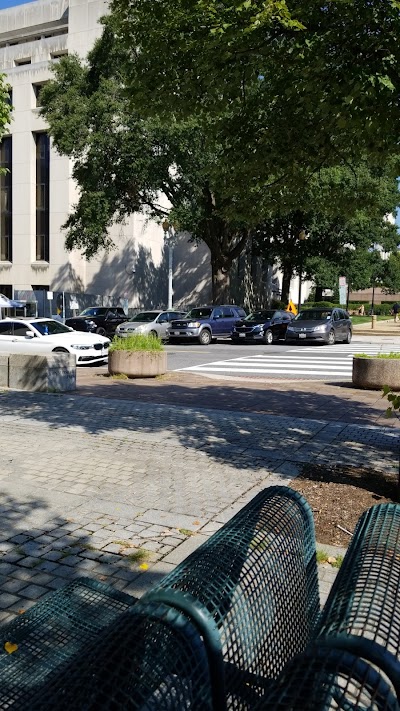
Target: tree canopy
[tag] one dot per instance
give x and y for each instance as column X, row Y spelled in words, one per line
column 5, row 108
column 128, row 150
column 289, row 86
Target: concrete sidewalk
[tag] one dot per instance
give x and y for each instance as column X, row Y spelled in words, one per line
column 86, row 481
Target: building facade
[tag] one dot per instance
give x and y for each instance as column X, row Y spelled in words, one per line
column 37, row 192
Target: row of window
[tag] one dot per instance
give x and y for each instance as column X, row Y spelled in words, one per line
column 28, row 60
column 42, row 143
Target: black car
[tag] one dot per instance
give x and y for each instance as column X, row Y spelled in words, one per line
column 98, row 319
column 262, row 327
column 320, row 325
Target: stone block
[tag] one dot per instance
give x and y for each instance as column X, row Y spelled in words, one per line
column 4, row 371
column 374, row 373
column 50, row 373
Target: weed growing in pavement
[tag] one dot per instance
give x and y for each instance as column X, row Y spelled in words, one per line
column 118, row 376
column 324, row 557
column 139, row 556
column 186, row 532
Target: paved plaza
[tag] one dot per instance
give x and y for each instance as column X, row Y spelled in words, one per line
column 122, row 489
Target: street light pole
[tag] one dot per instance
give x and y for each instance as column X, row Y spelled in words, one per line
column 169, row 236
column 302, row 238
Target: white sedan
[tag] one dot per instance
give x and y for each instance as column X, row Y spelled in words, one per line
column 45, row 335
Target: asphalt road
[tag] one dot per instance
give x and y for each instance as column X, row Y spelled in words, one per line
column 277, row 361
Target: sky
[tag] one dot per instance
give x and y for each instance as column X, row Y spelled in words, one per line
column 11, row 3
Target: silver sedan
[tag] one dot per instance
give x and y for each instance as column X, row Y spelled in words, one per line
column 152, row 322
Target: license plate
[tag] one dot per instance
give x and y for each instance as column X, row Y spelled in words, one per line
column 242, row 335
column 302, row 335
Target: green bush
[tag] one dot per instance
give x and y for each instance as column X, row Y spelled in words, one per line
column 394, row 400
column 140, row 342
column 278, row 304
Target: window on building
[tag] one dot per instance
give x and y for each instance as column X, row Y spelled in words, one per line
column 22, row 62
column 37, row 88
column 6, row 200
column 6, row 290
column 42, row 196
column 58, row 55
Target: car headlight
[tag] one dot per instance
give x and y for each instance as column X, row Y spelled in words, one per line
column 290, row 328
column 139, row 329
column 81, row 347
column 90, row 322
column 258, row 327
column 194, row 324
column 320, row 328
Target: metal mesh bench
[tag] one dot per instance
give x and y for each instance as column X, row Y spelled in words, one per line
column 53, row 632
column 328, row 677
column 217, row 629
column 152, row 658
column 257, row 579
column 365, row 597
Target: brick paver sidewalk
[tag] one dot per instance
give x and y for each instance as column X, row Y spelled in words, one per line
column 87, row 481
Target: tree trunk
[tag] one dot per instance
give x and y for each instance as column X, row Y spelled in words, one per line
column 220, row 284
column 286, row 279
column 318, row 293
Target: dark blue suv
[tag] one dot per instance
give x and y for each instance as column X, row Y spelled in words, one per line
column 206, row 323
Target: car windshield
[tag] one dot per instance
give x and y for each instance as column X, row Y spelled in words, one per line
column 94, row 312
column 199, row 313
column 146, row 316
column 260, row 316
column 313, row 315
column 50, row 328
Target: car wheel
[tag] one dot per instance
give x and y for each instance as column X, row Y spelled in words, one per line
column 101, row 331
column 205, row 338
column 348, row 337
column 331, row 338
column 268, row 337
column 60, row 350
column 154, row 334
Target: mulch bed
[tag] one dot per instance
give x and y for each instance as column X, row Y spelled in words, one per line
column 338, row 495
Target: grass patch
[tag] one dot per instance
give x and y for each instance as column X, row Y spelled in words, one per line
column 119, row 376
column 367, row 319
column 139, row 342
column 186, row 532
column 324, row 557
column 383, row 356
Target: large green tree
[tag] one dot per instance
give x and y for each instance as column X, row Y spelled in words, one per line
column 124, row 162
column 337, row 241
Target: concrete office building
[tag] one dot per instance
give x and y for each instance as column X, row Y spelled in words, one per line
column 37, row 194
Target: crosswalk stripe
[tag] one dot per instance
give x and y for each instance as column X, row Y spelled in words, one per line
column 233, row 365
column 271, row 371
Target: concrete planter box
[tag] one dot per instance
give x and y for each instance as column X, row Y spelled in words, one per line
column 374, row 373
column 49, row 373
column 4, row 371
column 137, row 364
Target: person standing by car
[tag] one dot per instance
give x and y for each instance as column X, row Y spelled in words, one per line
column 396, row 309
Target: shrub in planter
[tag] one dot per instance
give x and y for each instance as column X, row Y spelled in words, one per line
column 138, row 356
column 376, row 372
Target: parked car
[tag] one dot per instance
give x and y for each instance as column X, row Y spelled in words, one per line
column 98, row 319
column 152, row 322
column 46, row 335
column 262, row 327
column 320, row 325
column 206, row 323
